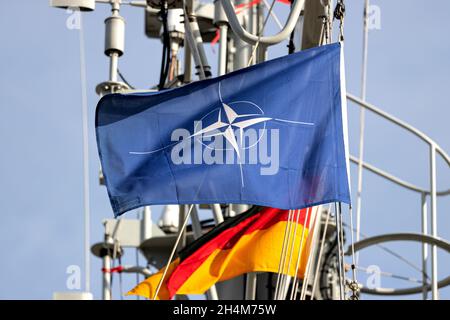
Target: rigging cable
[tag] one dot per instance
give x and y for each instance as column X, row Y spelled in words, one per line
column 281, row 275
column 281, row 263
column 299, row 258
column 174, row 249
column 137, row 257
column 322, row 245
column 312, row 257
column 165, row 60
column 291, row 45
column 297, row 215
column 85, row 130
column 362, row 121
column 341, row 228
column 339, row 14
column 393, row 253
column 354, row 286
column 261, row 32
column 340, row 252
column 294, row 240
column 124, row 80
column 393, row 275
column 120, row 278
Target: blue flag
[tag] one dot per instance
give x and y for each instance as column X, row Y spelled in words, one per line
column 273, row 134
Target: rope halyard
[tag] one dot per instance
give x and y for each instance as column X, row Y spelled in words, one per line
column 299, row 257
column 353, row 285
column 294, row 240
column 312, row 257
column 362, row 122
column 340, row 253
column 339, row 14
column 322, row 245
column 341, row 228
column 282, row 256
column 180, row 233
column 326, row 32
column 285, row 273
column 260, row 33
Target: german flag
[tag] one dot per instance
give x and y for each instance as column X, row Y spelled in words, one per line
column 249, row 242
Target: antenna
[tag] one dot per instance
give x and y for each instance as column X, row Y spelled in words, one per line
column 83, row 5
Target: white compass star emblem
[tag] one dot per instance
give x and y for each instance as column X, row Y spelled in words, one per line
column 228, row 120
column 229, row 126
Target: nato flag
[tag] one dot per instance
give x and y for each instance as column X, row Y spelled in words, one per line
column 273, row 134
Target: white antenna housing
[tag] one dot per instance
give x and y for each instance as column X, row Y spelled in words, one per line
column 169, row 218
column 84, row 5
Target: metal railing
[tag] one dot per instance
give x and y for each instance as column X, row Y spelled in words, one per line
column 432, row 192
column 252, row 39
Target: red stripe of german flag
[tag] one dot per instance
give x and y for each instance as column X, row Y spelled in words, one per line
column 249, row 242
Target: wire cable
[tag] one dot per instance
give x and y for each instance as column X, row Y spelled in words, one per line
column 322, row 245
column 124, row 80
column 282, row 256
column 166, row 46
column 392, row 252
column 180, row 233
column 393, row 275
column 261, row 32
column 299, row 257
column 362, row 122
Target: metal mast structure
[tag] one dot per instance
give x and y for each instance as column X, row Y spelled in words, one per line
column 184, row 26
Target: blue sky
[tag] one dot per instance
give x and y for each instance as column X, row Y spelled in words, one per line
column 41, row 228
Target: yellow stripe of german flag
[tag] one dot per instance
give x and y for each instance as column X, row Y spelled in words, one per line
column 250, row 242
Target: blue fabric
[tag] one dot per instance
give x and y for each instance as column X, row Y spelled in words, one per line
column 296, row 101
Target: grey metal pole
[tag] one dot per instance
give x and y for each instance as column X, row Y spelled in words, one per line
column 362, row 123
column 113, row 62
column 195, row 30
column 85, row 130
column 241, row 54
column 261, row 53
column 190, row 39
column 223, row 49
column 217, row 213
column 106, row 276
column 197, row 228
column 424, row 246
column 114, row 38
column 187, row 6
column 106, row 259
column 254, row 27
column 340, row 253
column 146, row 223
column 242, row 49
column 181, row 218
column 284, row 288
column 250, row 286
column 187, row 64
column 434, row 260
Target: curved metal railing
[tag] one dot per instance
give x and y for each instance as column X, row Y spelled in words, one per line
column 252, row 39
column 432, row 191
